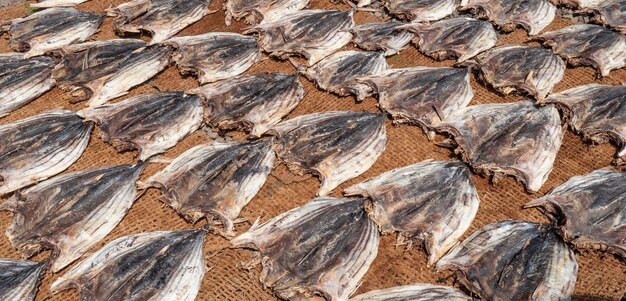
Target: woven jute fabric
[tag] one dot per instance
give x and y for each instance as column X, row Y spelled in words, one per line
column 601, row 276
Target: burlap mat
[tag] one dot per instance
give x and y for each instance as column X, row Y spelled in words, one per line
column 600, row 277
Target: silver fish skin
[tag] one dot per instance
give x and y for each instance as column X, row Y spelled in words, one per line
column 56, row 3
column 23, row 80
column 414, row 292
column 381, row 36
column 50, row 29
column 71, row 213
column 532, row 15
column 258, row 11
column 324, row 248
column 423, row 10
column 157, row 266
column 611, row 13
column 48, row 143
column 19, row 280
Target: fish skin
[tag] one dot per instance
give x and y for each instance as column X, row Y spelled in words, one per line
column 23, row 80
column 337, row 145
column 432, row 202
column 150, row 123
column 215, row 56
column 423, row 10
column 414, row 292
column 258, row 11
column 381, row 36
column 321, row 248
column 532, row 15
column 71, row 213
column 252, row 102
column 48, row 143
column 157, row 266
column 611, row 13
column 19, row 280
column 56, row 3
column 589, row 210
column 577, row 3
column 514, row 260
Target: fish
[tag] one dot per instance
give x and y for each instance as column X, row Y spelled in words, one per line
column 216, row 180
column 532, row 15
column 588, row 45
column 150, row 123
column 414, row 292
column 56, row 3
column 381, row 36
column 50, row 29
column 524, row 69
column 322, row 248
column 596, row 112
column 517, row 139
column 514, row 260
column 314, row 34
column 338, row 72
column 255, row 12
column 458, row 38
column 589, row 210
column 611, row 13
column 577, row 3
column 161, row 19
column 424, row 96
column 103, row 70
column 41, row 146
column 23, row 80
column 216, row 55
column 336, row 145
column 159, row 265
column 422, row 10
column 252, row 102
column 433, row 202
column 19, row 279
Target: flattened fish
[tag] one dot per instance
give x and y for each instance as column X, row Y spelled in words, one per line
column 56, row 3
column 598, row 112
column 512, row 68
column 588, row 45
column 414, row 292
column 216, row 179
column 517, row 139
column 384, row 36
column 322, row 248
column 514, row 260
column 578, row 3
column 433, row 202
column 256, row 11
column 159, row 266
column 338, row 72
column 23, row 80
column 50, row 29
column 103, row 70
column 458, row 38
column 532, row 15
column 336, row 145
column 150, row 123
column 589, row 210
column 422, row 10
column 41, row 146
column 611, row 13
column 71, row 213
column 314, row 34
column 216, row 55
column 254, row 102
column 19, row 279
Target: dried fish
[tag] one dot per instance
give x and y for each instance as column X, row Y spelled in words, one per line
column 50, row 29
column 611, row 13
column 216, row 179
column 19, row 279
column 254, row 102
column 162, row 19
column 41, row 146
column 336, row 145
column 517, row 139
column 160, row 265
column 512, row 68
column 216, row 55
column 457, row 38
column 532, row 15
column 150, row 123
column 422, row 10
column 56, row 3
column 597, row 112
column 578, row 3
column 514, row 260
column 314, row 34
column 322, row 248
column 257, row 11
column 589, row 210
column 338, row 72
column 384, row 36
column 414, row 292
column 103, row 70
column 588, row 45
column 23, row 80
column 71, row 213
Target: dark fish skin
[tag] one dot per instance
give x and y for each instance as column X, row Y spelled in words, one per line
column 422, row 10
column 414, row 292
column 611, row 13
column 514, row 260
column 589, row 210
column 533, row 15
column 383, row 36
column 19, row 279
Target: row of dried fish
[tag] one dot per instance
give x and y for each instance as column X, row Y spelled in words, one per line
column 611, row 13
